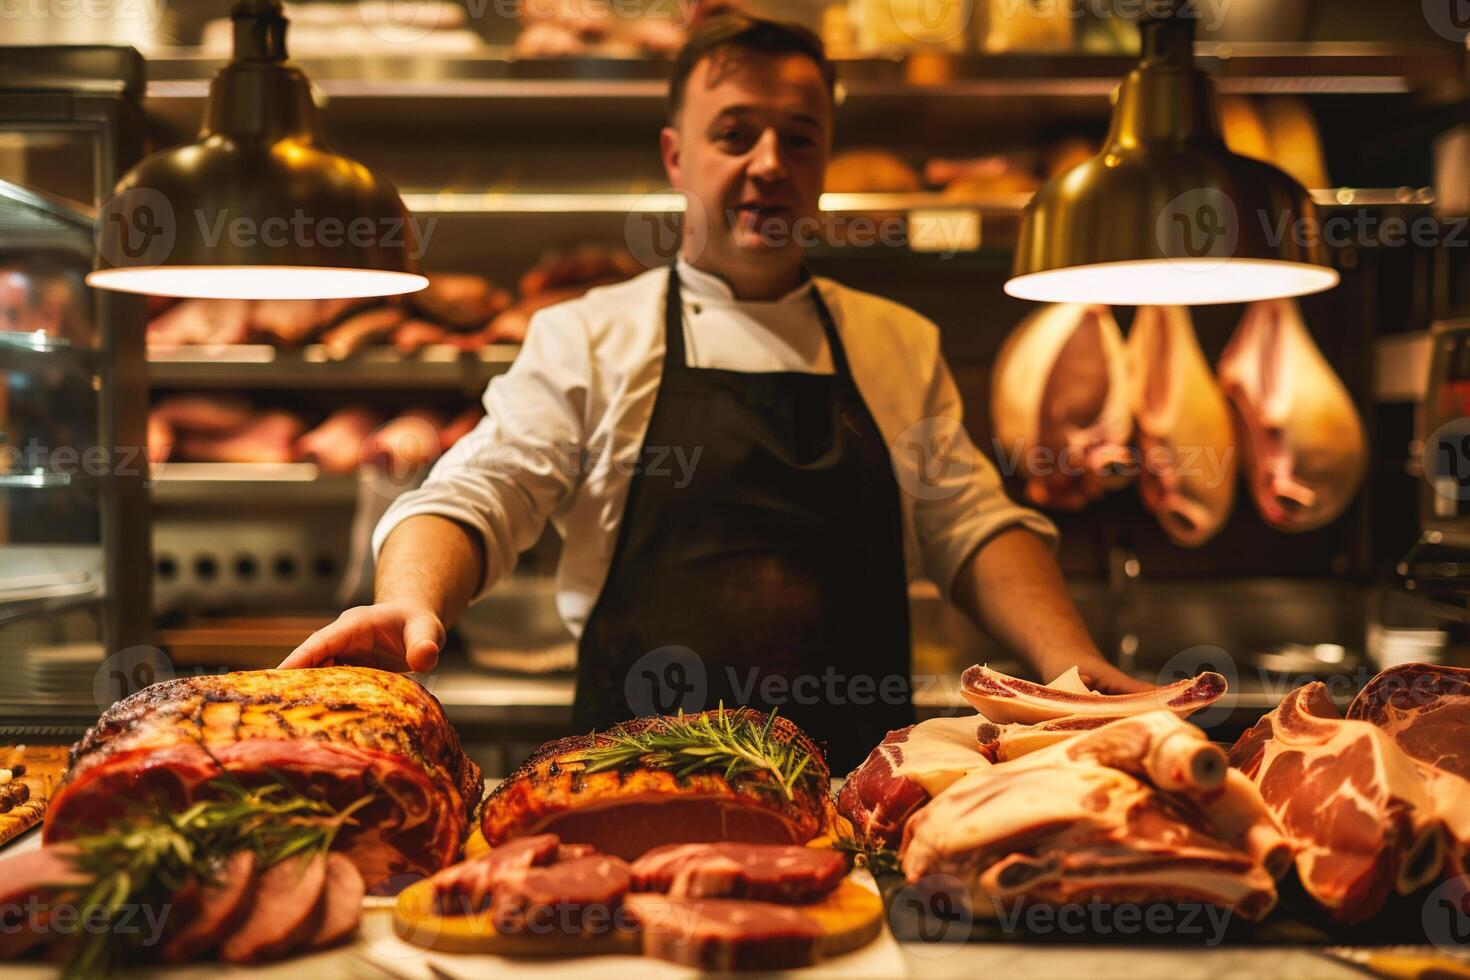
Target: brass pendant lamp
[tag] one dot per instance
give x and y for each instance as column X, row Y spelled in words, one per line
column 1166, row 214
column 257, row 207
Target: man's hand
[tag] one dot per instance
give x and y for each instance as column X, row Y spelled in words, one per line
column 426, row 572
column 396, row 636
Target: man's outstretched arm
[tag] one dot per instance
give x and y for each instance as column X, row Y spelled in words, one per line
column 428, row 570
column 1012, row 588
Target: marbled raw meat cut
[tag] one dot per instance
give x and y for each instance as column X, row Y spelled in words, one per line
column 907, row 769
column 1354, row 806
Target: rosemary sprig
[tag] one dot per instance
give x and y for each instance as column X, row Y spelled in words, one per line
column 146, row 858
column 733, row 741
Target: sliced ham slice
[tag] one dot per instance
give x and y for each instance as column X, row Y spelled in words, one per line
column 29, row 883
column 786, row 874
column 1003, row 699
column 285, row 911
column 218, row 909
column 725, row 934
column 565, row 896
column 343, row 897
column 464, row 888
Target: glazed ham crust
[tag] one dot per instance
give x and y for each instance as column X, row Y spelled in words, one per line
column 630, row 810
column 338, row 732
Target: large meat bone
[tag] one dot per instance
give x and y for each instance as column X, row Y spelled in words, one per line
column 1235, row 808
column 1172, row 754
column 1002, row 698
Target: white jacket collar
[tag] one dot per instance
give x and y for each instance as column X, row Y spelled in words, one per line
column 706, row 286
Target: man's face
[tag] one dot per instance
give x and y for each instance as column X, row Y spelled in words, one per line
column 749, row 150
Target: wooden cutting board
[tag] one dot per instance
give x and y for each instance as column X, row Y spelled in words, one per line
column 850, row 917
column 45, row 765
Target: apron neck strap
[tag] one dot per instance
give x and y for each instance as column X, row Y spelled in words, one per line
column 674, row 352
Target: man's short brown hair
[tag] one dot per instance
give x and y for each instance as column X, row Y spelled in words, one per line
column 748, row 34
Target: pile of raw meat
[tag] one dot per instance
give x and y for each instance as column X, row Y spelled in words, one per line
column 1374, row 804
column 1056, row 795
column 463, row 311
column 228, row 429
column 712, row 906
column 1068, row 394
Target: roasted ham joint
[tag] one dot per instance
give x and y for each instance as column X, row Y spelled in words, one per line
column 254, row 814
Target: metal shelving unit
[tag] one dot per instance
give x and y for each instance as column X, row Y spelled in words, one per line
column 437, row 367
column 1266, row 67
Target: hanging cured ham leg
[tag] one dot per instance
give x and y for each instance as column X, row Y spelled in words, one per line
column 1059, row 404
column 1185, row 435
column 1303, row 441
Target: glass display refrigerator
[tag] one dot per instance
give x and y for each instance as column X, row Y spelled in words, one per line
column 75, row 618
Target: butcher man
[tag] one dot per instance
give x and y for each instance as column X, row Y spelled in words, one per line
column 747, row 464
